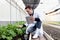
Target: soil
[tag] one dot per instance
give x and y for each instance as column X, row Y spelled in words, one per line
column 18, row 37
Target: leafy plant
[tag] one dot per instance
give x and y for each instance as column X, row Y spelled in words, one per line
column 20, row 22
column 11, row 30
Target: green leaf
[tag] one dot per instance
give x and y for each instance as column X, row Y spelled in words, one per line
column 24, row 30
column 9, row 38
column 19, row 31
column 12, row 33
column 3, row 36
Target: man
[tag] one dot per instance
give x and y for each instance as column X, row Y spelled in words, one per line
column 36, row 26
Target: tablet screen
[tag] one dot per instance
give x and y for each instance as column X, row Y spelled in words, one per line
column 28, row 20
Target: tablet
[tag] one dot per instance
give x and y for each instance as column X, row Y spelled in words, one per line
column 28, row 20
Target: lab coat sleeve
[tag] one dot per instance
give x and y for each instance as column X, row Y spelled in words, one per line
column 41, row 16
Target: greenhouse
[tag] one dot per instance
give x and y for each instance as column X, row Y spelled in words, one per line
column 13, row 16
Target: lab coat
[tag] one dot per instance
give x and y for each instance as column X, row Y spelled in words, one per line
column 36, row 15
column 41, row 16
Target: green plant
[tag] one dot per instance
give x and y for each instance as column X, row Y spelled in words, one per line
column 10, row 31
column 20, row 22
column 6, row 32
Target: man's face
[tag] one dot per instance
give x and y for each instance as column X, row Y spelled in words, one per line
column 29, row 11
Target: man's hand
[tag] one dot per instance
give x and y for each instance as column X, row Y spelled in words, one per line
column 32, row 18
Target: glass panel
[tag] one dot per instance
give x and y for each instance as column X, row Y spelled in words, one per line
column 10, row 12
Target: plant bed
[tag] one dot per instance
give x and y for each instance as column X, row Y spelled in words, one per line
column 18, row 37
column 12, row 32
column 55, row 23
column 3, row 39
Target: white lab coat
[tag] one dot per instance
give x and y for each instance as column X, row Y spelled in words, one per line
column 36, row 15
column 41, row 15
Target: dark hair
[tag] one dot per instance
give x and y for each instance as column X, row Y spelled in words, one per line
column 28, row 6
